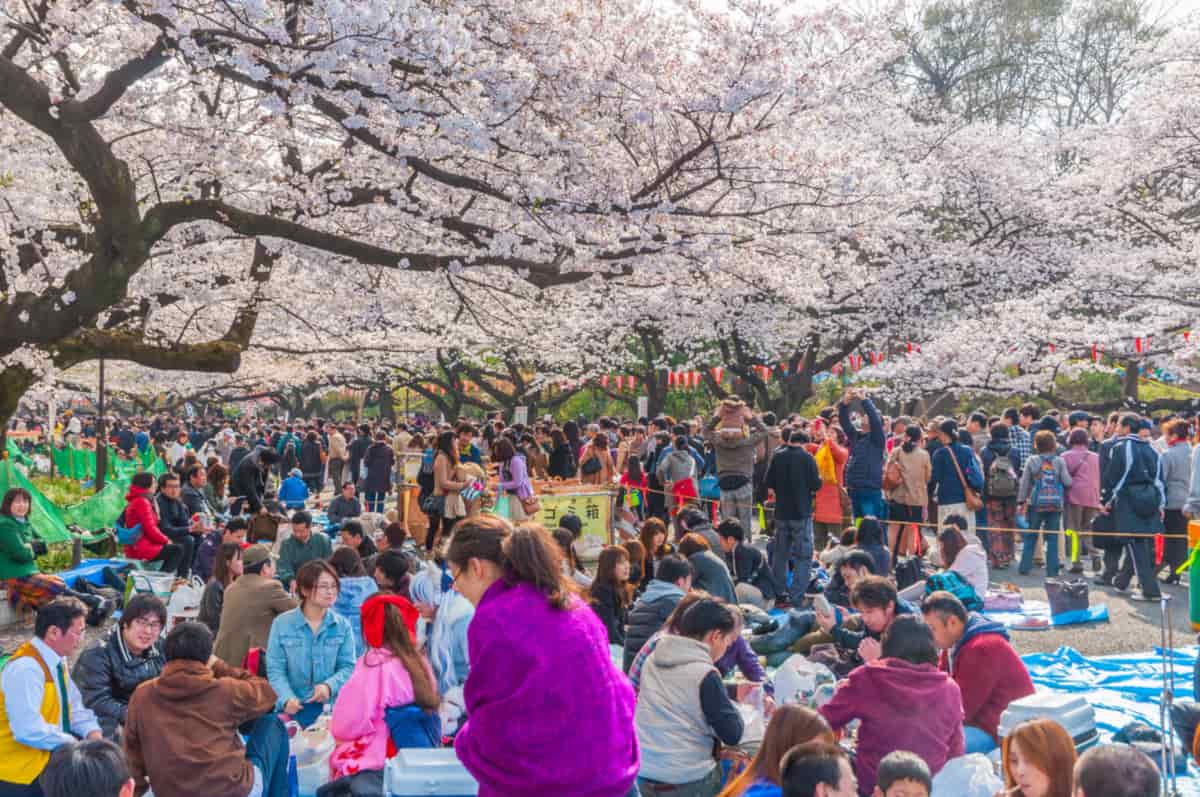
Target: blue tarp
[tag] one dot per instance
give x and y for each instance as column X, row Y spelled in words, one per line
column 90, row 569
column 1122, row 689
column 1040, row 611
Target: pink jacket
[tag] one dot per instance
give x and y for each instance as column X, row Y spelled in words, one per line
column 379, row 681
column 1084, row 467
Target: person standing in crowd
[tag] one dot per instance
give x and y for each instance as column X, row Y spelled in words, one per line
column 1131, row 490
column 302, row 546
column 467, row 450
column 227, row 569
column 185, row 728
column 312, row 462
column 1001, row 483
column 976, row 653
column 595, row 462
column 310, row 649
column 1176, row 474
column 378, row 461
column 446, row 500
column 908, row 498
column 562, row 459
column 358, row 450
column 392, row 676
column 954, row 470
column 41, row 708
column 1041, row 498
column 883, row 696
column 151, row 544
column 131, row 653
column 735, row 447
column 95, row 767
column 252, row 603
column 682, row 705
column 831, row 456
column 793, row 476
column 293, row 492
column 513, row 477
column 338, row 455
column 1083, row 496
column 560, row 657
column 1039, row 760
column 249, row 480
column 864, row 472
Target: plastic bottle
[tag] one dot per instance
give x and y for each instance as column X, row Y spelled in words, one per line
column 293, row 779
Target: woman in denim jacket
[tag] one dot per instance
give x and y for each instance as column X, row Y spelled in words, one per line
column 310, row 652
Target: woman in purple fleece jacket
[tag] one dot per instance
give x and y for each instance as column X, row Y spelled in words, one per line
column 547, row 710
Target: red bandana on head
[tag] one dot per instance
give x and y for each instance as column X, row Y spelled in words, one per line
column 373, row 614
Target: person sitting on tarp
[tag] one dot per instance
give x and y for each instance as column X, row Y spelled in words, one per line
column 977, row 654
column 889, row 693
column 878, row 605
column 293, row 492
column 40, row 707
column 301, row 547
column 206, row 555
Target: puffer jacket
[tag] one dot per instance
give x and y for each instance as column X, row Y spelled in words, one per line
column 647, row 616
column 248, row 479
column 107, row 673
column 310, row 458
column 139, row 510
column 379, row 459
column 865, row 470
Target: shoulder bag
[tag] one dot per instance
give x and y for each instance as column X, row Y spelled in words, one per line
column 970, row 497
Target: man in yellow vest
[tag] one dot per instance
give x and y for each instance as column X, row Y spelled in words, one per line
column 40, row 707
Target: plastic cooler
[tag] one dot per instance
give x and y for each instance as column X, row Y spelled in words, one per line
column 427, row 771
column 1073, row 712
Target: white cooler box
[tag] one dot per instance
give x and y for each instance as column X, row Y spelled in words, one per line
column 421, row 772
column 1073, row 712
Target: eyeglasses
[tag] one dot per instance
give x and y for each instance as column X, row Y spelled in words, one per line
column 327, row 586
column 148, row 623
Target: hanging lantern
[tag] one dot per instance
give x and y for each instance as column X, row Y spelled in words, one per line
column 1139, row 345
column 670, row 379
column 1187, row 336
column 632, row 380
column 1052, row 348
column 1095, row 352
column 836, row 370
column 604, row 380
column 717, row 372
column 620, row 382
column 695, row 379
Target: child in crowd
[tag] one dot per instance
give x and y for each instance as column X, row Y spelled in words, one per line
column 836, row 548
column 903, row 774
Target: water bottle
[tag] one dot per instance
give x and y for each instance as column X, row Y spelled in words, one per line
column 293, row 779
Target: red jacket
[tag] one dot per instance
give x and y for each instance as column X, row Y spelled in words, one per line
column 902, row 706
column 140, row 509
column 989, row 673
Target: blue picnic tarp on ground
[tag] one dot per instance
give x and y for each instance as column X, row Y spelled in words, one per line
column 1122, row 689
column 1040, row 610
column 90, row 569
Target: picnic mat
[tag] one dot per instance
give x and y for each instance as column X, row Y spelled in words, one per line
column 1122, row 689
column 89, row 569
column 1035, row 615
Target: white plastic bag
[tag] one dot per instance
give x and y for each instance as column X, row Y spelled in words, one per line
column 799, row 680
column 312, row 749
column 184, row 603
column 967, row 776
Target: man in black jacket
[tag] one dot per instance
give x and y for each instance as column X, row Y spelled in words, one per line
column 175, row 522
column 249, row 480
column 751, row 576
column 793, row 476
column 358, row 450
column 672, row 580
column 1131, row 490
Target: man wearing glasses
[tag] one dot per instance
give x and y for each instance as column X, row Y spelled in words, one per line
column 40, row 707
column 109, row 671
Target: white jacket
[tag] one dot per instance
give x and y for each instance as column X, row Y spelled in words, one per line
column 972, row 564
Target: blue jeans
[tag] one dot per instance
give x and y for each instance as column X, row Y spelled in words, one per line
column 794, row 543
column 375, row 502
column 868, row 501
column 978, row 740
column 1041, row 521
column 792, row 626
column 267, row 749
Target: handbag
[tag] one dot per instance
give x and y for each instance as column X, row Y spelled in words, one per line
column 846, row 504
column 433, row 504
column 531, row 506
column 591, row 466
column 970, row 497
column 1066, row 595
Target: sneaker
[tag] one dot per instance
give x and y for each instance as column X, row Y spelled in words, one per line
column 1120, row 590
column 1138, row 595
column 1102, row 581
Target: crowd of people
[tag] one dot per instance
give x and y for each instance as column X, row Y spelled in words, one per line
column 610, row 678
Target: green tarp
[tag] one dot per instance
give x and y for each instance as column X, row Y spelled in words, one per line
column 80, row 464
column 99, row 511
column 17, row 455
column 45, row 517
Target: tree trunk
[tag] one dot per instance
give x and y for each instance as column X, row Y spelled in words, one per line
column 14, row 381
column 387, row 402
column 1129, row 386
